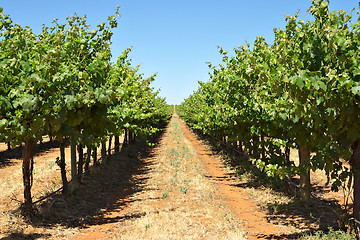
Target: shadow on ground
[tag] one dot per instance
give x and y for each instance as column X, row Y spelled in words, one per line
column 23, row 236
column 106, row 188
column 283, row 236
column 7, row 157
column 322, row 213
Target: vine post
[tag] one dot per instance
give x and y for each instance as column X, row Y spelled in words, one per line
column 27, row 170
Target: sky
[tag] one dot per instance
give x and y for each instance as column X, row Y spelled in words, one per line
column 174, row 39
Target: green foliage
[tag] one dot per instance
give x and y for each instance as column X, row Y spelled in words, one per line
column 166, row 194
column 61, row 82
column 330, row 235
column 301, row 90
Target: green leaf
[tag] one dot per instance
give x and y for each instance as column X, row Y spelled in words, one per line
column 356, row 90
column 70, row 101
column 322, row 85
column 356, row 72
column 103, row 98
column 26, row 66
column 3, row 123
column 298, row 81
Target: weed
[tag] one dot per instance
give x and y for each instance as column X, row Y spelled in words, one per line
column 330, row 235
column 175, row 163
column 187, row 182
column 273, row 208
column 173, row 152
column 184, row 189
column 174, row 180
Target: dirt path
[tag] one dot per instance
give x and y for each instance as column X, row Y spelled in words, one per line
column 185, row 193
column 179, row 190
column 175, row 199
column 255, row 224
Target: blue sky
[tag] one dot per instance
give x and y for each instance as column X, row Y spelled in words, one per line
column 174, row 39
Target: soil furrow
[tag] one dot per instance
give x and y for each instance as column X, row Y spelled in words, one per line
column 255, row 224
column 180, row 190
column 177, row 201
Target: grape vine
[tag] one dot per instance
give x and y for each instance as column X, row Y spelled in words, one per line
column 302, row 91
column 62, row 83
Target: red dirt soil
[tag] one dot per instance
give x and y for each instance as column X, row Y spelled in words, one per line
column 257, row 227
column 255, row 224
column 237, row 199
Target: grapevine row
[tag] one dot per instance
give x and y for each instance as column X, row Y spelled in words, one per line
column 62, row 83
column 302, row 91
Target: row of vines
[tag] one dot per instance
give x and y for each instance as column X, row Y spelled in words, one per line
column 301, row 91
column 62, row 83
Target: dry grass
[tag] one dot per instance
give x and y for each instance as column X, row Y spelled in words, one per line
column 285, row 207
column 16, row 227
column 171, row 200
column 46, row 180
column 164, row 196
column 179, row 224
column 178, row 202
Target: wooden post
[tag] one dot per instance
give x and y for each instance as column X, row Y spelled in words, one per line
column 103, row 150
column 80, row 161
column 109, row 148
column 27, row 170
column 88, row 155
column 95, row 155
column 62, row 165
column 73, row 162
column 117, row 144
